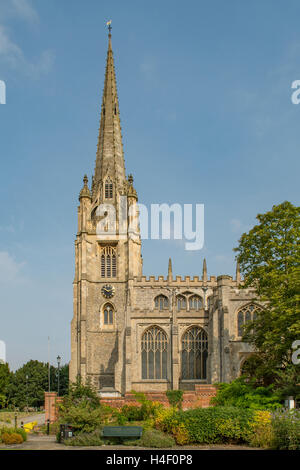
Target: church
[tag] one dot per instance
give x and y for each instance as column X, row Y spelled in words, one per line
column 132, row 332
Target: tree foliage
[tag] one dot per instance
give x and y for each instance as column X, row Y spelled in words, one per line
column 27, row 385
column 269, row 256
column 5, row 376
column 243, row 394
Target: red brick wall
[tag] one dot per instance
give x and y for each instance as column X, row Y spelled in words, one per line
column 192, row 399
column 51, row 410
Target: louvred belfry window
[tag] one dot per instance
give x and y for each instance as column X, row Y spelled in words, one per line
column 108, row 262
column 108, row 189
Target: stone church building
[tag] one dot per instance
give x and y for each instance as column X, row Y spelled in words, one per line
column 130, row 332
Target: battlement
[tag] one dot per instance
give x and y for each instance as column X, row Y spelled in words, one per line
column 181, row 281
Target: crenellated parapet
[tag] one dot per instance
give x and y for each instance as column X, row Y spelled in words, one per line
column 180, row 281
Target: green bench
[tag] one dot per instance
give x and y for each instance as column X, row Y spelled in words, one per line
column 122, row 432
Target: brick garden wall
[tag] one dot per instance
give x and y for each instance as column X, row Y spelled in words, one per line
column 200, row 398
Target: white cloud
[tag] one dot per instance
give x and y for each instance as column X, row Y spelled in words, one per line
column 10, row 270
column 18, row 9
column 12, row 55
column 25, row 10
column 7, row 47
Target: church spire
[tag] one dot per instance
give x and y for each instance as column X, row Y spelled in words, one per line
column 110, row 158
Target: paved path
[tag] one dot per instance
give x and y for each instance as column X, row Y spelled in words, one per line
column 39, row 418
column 37, row 442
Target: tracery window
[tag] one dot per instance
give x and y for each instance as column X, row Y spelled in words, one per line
column 161, row 302
column 108, row 314
column 154, row 353
column 108, row 189
column 108, row 262
column 194, row 354
column 195, row 302
column 181, row 303
column 245, row 315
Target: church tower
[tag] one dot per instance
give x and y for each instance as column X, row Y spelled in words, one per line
column 107, row 255
column 132, row 332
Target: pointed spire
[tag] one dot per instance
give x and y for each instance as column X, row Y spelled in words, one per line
column 85, row 192
column 238, row 272
column 204, row 271
column 170, row 272
column 110, row 157
column 131, row 192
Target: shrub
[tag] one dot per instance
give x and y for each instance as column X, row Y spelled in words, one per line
column 19, row 431
column 80, row 395
column 85, row 439
column 262, row 433
column 206, row 425
column 149, row 408
column 84, row 418
column 120, row 417
column 22, row 433
column 82, row 409
column 11, row 438
column 244, row 395
column 286, row 428
column 175, row 398
column 132, row 413
column 152, row 438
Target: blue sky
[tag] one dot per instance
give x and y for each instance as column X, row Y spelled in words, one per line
column 205, row 102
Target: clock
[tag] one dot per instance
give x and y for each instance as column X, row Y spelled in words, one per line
column 108, row 291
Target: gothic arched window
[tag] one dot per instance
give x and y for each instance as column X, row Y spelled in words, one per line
column 245, row 315
column 154, row 353
column 108, row 314
column 195, row 302
column 181, row 302
column 108, row 262
column 194, row 354
column 161, row 302
column 108, row 189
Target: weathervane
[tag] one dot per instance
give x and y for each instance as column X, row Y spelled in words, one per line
column 109, row 26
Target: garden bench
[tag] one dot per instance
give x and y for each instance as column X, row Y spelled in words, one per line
column 122, row 431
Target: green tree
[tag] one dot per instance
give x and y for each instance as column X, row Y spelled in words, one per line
column 269, row 258
column 28, row 385
column 63, row 379
column 5, row 376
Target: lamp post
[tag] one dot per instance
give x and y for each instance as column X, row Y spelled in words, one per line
column 58, row 366
column 27, row 391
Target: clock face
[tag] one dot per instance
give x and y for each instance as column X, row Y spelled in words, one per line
column 108, row 291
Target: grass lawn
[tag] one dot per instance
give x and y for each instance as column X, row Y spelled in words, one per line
column 8, row 417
